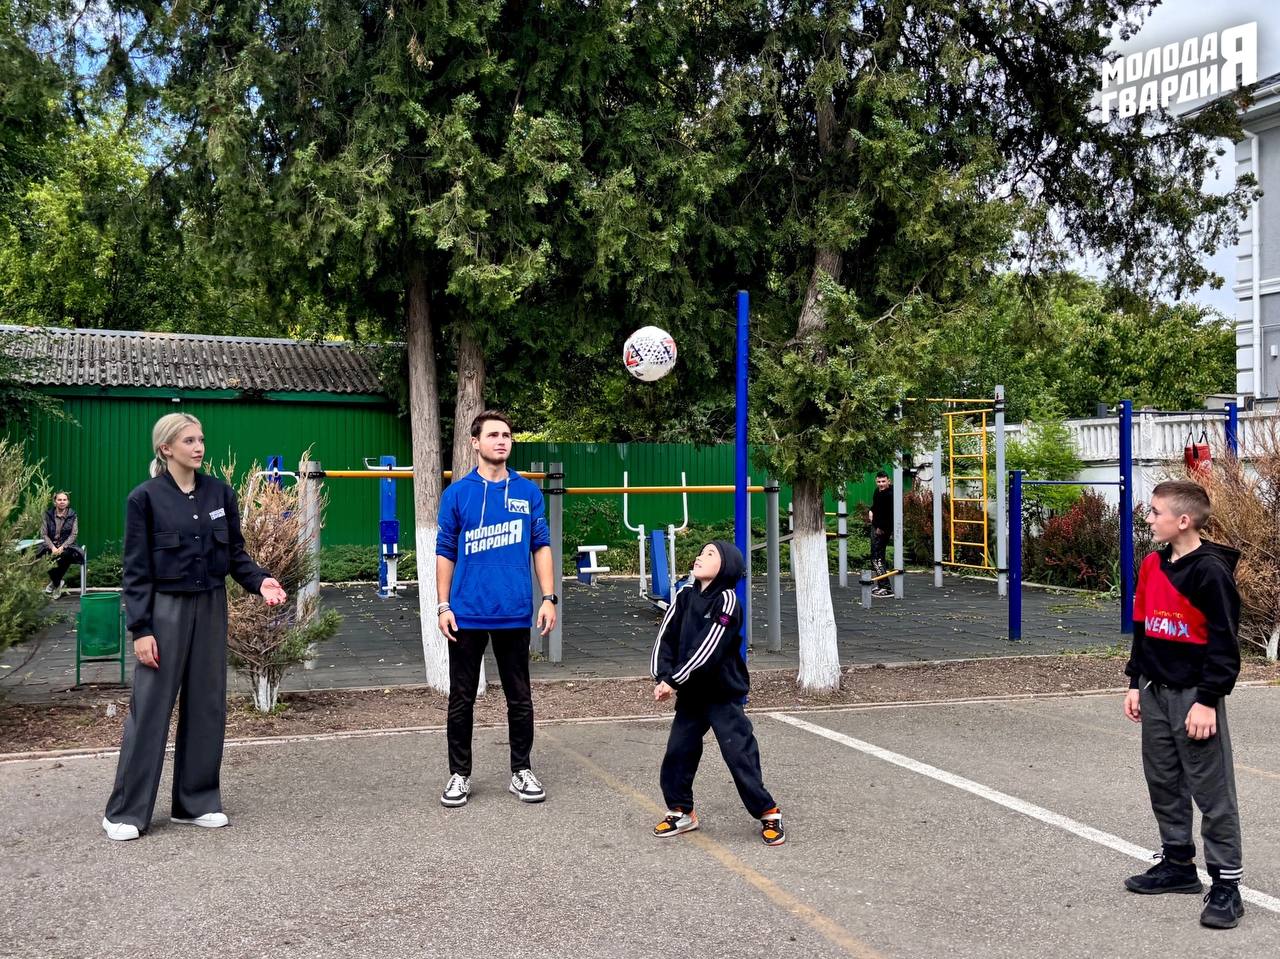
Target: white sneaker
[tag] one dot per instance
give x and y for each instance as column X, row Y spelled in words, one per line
column 456, row 791
column 525, row 785
column 675, row 822
column 210, row 820
column 48, row 589
column 119, row 831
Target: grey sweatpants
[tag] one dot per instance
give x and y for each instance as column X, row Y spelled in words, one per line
column 1180, row 769
column 191, row 633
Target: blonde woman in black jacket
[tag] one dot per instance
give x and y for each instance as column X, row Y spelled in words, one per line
column 182, row 539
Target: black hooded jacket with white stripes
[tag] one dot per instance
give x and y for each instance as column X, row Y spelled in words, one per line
column 697, row 651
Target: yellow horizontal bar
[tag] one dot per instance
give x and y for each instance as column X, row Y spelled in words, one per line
column 969, row 565
column 940, row 399
column 603, row 490
column 969, row 499
column 966, row 456
column 395, row 474
column 971, row 433
column 971, row 522
column 960, row 542
column 888, row 575
column 969, row 478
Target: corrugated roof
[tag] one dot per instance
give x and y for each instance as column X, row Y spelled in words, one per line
column 189, row 361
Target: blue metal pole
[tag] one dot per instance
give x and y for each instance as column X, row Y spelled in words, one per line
column 1233, row 428
column 741, row 504
column 1126, row 517
column 386, row 513
column 1015, row 555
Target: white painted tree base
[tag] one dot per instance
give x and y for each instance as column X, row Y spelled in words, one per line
column 265, row 692
column 435, row 648
column 815, row 615
column 435, row 654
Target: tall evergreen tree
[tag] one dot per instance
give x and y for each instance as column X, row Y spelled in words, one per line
column 482, row 179
column 904, row 152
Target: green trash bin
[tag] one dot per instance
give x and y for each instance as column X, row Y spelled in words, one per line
column 100, row 631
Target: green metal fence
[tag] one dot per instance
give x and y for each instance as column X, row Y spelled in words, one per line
column 102, row 451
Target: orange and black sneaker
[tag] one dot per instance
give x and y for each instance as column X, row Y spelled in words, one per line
column 771, row 830
column 675, row 822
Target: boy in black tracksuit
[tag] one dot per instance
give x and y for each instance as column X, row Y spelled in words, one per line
column 697, row 655
column 1184, row 662
column 881, row 518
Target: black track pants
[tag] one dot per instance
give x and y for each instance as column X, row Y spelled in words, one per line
column 738, row 746
column 511, row 650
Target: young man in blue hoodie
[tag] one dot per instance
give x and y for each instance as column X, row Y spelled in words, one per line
column 697, row 655
column 491, row 520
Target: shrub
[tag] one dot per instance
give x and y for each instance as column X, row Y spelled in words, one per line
column 917, row 531
column 1079, row 547
column 24, row 496
column 265, row 641
column 106, row 570
column 348, row 563
column 1245, row 515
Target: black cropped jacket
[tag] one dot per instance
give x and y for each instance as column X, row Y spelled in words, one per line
column 176, row 542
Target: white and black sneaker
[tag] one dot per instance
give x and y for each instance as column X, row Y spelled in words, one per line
column 456, row 791
column 675, row 822
column 525, row 786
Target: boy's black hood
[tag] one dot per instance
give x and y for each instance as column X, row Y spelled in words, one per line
column 731, row 567
column 1206, row 552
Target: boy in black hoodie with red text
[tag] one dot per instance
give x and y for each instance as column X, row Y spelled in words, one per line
column 1184, row 662
column 697, row 656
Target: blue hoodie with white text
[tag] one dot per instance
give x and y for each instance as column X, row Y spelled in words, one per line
column 490, row 530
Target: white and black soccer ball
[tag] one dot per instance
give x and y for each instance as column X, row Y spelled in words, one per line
column 649, row 354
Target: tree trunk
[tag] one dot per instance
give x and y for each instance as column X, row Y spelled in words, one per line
column 266, row 688
column 468, row 404
column 470, row 400
column 424, row 419
column 815, row 615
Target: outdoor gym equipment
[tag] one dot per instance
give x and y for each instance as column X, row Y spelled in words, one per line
column 589, row 563
column 1124, row 482
column 966, row 479
column 663, row 591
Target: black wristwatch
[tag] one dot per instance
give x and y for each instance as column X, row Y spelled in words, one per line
column 551, row 598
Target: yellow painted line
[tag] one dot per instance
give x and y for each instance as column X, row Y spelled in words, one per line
column 1258, row 772
column 826, row 927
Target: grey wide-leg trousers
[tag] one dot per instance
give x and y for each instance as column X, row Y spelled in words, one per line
column 191, row 634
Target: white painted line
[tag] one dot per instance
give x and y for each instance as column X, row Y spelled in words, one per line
column 1047, row 816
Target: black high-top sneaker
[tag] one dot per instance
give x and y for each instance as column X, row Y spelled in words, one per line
column 1166, row 876
column 1223, row 906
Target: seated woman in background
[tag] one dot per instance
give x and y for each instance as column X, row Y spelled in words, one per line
column 59, row 541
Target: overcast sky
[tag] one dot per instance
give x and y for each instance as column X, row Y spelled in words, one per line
column 1179, row 20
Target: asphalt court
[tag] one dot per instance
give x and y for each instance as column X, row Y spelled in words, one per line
column 898, row 846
